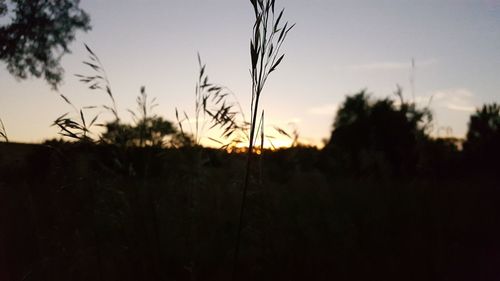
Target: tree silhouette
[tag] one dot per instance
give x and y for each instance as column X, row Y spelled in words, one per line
column 149, row 129
column 38, row 35
column 376, row 137
column 482, row 146
column 152, row 131
column 484, row 125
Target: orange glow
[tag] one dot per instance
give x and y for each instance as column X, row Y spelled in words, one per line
column 270, row 143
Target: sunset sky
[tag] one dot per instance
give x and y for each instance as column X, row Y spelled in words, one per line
column 337, row 48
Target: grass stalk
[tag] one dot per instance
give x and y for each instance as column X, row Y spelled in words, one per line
column 265, row 45
column 3, row 131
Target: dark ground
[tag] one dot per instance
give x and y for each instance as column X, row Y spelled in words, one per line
column 77, row 212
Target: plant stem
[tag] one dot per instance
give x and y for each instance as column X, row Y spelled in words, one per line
column 245, row 187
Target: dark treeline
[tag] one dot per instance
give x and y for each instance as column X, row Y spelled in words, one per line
column 388, row 139
column 382, row 201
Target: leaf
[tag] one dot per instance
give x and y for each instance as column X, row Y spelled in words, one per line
column 86, row 80
column 83, row 118
column 93, row 120
column 214, row 88
column 205, row 103
column 282, row 32
column 277, row 63
column 60, row 118
column 66, row 99
column 253, row 55
column 132, row 113
column 254, row 4
column 278, row 21
column 214, row 140
column 281, row 131
column 89, row 50
column 95, row 67
column 202, row 71
column 272, row 145
column 108, row 90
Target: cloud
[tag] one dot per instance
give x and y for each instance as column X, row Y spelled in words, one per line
column 388, row 65
column 326, row 109
column 459, row 99
column 461, row 108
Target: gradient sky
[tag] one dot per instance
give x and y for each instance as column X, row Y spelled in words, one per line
column 336, row 48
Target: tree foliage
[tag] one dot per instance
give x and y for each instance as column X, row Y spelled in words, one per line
column 484, row 125
column 148, row 129
column 152, row 131
column 482, row 145
column 38, row 35
column 377, row 137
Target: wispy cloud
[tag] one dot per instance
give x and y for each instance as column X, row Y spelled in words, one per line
column 325, row 109
column 391, row 65
column 459, row 99
column 461, row 108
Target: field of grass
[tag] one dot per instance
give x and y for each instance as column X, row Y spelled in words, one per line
column 86, row 212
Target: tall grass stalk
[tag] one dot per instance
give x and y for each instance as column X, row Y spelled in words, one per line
column 75, row 128
column 3, row 131
column 144, row 117
column 269, row 33
column 216, row 106
column 79, row 128
column 99, row 80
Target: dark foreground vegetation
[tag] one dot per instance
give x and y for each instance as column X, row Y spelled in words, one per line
column 77, row 211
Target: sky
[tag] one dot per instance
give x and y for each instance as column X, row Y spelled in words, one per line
column 337, row 48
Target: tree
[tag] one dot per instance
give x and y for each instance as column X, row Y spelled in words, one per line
column 37, row 36
column 148, row 130
column 482, row 146
column 152, row 131
column 376, row 137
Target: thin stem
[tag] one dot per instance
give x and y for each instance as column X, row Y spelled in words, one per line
column 245, row 189
column 263, row 63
